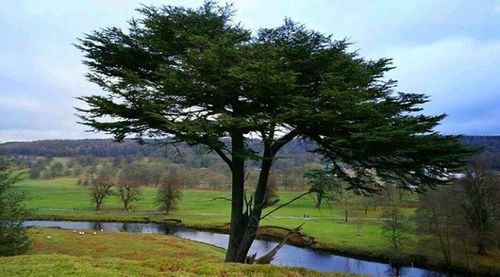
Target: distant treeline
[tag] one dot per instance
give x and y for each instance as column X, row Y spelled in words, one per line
column 490, row 143
column 198, row 167
column 491, row 148
column 74, row 148
column 195, row 156
column 182, row 153
column 110, row 148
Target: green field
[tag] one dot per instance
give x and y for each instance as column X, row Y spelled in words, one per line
column 123, row 254
column 62, row 198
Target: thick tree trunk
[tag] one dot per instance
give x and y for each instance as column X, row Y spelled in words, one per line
column 318, row 200
column 259, row 198
column 244, row 225
column 238, row 219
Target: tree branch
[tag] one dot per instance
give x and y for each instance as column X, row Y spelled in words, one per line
column 221, row 198
column 224, row 157
column 285, row 204
column 268, row 258
column 284, row 140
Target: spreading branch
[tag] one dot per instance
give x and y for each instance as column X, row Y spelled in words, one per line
column 285, row 204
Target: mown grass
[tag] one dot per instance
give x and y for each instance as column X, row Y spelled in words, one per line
column 122, row 254
column 61, row 197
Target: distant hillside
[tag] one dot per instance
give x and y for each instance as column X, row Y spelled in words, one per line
column 491, row 144
column 109, row 148
column 491, row 148
column 295, row 152
column 72, row 148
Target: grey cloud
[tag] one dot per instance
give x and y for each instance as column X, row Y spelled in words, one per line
column 446, row 49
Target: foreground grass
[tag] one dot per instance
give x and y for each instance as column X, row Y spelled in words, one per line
column 120, row 245
column 123, row 254
column 63, row 265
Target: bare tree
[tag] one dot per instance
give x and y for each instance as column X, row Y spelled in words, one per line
column 437, row 220
column 370, row 201
column 481, row 193
column 130, row 181
column 271, row 189
column 169, row 192
column 394, row 227
column 99, row 184
column 343, row 197
column 216, row 180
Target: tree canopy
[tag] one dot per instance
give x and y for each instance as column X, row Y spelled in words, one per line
column 13, row 237
column 195, row 76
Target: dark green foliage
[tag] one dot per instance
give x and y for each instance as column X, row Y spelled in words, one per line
column 36, row 170
column 326, row 186
column 192, row 75
column 323, row 184
column 56, row 170
column 13, row 237
column 4, row 161
column 175, row 59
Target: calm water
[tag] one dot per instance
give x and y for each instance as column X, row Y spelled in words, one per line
column 289, row 255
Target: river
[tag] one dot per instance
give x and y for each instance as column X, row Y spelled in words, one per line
column 289, row 255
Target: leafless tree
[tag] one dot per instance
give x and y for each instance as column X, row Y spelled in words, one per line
column 437, row 219
column 481, row 203
column 99, row 184
column 169, row 192
column 130, row 181
column 395, row 226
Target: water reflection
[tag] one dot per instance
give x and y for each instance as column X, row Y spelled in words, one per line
column 97, row 226
column 289, row 255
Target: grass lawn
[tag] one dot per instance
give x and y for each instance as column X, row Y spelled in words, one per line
column 124, row 254
column 62, row 198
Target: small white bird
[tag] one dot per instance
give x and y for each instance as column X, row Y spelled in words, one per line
column 95, row 233
column 102, row 230
column 49, row 237
column 74, row 231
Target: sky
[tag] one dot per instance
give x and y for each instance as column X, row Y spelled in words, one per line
column 449, row 50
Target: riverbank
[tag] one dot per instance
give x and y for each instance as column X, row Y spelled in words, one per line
column 360, row 237
column 288, row 255
column 64, row 253
column 276, row 233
